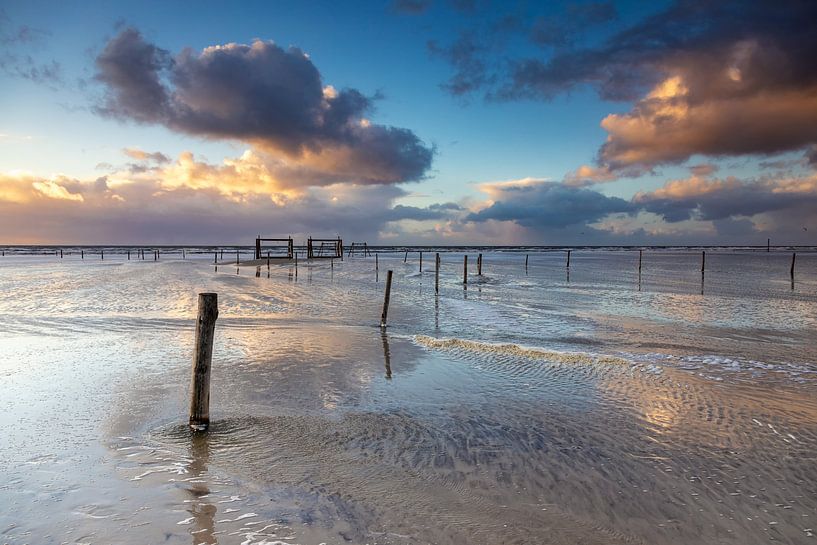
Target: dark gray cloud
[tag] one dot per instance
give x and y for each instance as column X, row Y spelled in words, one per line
column 731, row 198
column 271, row 97
column 18, row 58
column 547, row 205
column 727, row 78
column 411, row 6
column 435, row 211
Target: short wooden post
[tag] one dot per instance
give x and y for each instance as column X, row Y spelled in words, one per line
column 222, row 253
column 386, row 300
column 465, row 269
column 791, row 272
column 296, row 264
column 101, row 254
column 202, row 360
column 237, row 254
column 60, row 253
column 768, row 245
column 703, row 261
column 376, row 264
column 406, row 257
column 267, row 262
column 128, row 255
column 421, row 261
column 183, row 254
column 526, row 262
column 479, row 264
column 82, row 254
column 437, row 274
column 568, row 259
column 215, row 258
column 639, row 261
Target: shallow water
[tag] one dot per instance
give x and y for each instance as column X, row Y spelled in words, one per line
column 528, row 407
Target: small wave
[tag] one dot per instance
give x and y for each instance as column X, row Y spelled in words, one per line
column 517, row 350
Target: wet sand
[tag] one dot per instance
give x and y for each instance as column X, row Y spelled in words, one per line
column 326, row 431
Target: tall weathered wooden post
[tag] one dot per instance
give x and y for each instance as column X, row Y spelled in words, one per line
column 385, row 313
column 202, row 360
column 437, row 274
column 465, row 269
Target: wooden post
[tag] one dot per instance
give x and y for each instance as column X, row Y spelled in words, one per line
column 526, row 262
column 101, row 254
column 406, row 257
column 215, row 258
column 128, row 255
column 296, row 264
column 639, row 261
column 222, row 253
column 376, row 264
column 703, row 261
column 268, row 262
column 437, row 274
column 768, row 245
column 386, row 300
column 421, row 261
column 200, row 384
column 184, row 256
column 82, row 254
column 60, row 253
column 258, row 247
column 791, row 272
column 568, row 259
column 465, row 269
column 479, row 264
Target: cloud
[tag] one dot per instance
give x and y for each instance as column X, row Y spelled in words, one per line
column 717, row 79
column 192, row 201
column 18, row 58
column 262, row 94
column 587, row 175
column 788, row 201
column 140, row 155
column 412, row 7
column 543, row 204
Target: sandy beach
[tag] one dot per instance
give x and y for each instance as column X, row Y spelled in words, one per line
column 527, row 408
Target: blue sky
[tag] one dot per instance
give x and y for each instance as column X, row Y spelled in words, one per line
column 496, row 149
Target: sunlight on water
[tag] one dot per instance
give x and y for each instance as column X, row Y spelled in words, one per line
column 528, row 406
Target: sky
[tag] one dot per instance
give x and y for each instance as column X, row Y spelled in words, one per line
column 409, row 122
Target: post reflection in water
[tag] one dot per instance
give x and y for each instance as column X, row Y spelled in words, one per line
column 203, row 512
column 386, row 354
column 437, row 312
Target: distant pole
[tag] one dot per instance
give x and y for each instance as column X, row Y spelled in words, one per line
column 82, row 254
column 640, row 252
column 267, row 262
column 158, row 254
column 296, row 264
column 183, row 254
column 479, row 264
column 791, row 272
column 128, row 255
column 101, row 254
column 222, row 253
column 376, row 264
column 437, row 274
column 703, row 261
column 465, row 269
column 202, row 360
column 568, row 259
column 421, row 261
column 526, row 262
column 60, row 253
column 215, row 258
column 237, row 253
column 155, row 255
column 768, row 245
column 386, row 300
column 406, row 257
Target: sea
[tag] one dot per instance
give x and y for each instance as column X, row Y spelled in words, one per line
column 517, row 395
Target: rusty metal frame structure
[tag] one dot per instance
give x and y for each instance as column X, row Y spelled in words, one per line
column 288, row 240
column 336, row 246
